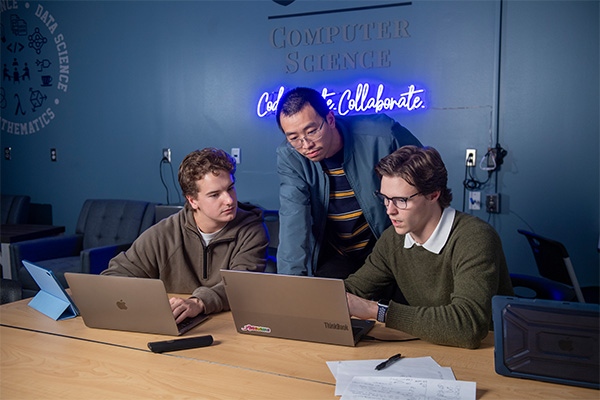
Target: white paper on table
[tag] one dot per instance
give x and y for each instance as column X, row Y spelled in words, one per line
column 400, row 388
column 424, row 367
column 418, row 362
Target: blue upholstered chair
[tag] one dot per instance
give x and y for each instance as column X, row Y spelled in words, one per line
column 104, row 229
column 538, row 287
column 272, row 224
column 557, row 280
column 15, row 209
column 10, row 290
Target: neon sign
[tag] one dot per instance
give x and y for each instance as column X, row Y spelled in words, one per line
column 353, row 101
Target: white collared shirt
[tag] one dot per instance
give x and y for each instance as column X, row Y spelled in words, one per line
column 440, row 235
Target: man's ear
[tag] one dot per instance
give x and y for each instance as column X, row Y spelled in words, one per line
column 330, row 118
column 434, row 196
column 192, row 202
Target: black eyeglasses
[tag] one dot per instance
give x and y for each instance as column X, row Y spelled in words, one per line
column 312, row 136
column 398, row 202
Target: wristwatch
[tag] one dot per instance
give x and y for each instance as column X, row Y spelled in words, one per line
column 382, row 310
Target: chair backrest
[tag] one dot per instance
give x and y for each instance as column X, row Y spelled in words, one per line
column 272, row 224
column 107, row 222
column 553, row 261
column 40, row 214
column 15, row 209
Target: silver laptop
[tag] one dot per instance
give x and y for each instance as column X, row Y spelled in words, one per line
column 127, row 304
column 292, row 307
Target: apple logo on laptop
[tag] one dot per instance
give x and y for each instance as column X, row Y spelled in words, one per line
column 121, row 304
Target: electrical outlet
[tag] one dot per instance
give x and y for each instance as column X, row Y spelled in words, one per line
column 166, row 155
column 236, row 153
column 7, row 151
column 474, row 200
column 52, row 154
column 470, row 159
column 492, row 203
column 491, row 159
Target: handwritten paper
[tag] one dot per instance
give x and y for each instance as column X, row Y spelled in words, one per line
column 421, row 367
column 399, row 388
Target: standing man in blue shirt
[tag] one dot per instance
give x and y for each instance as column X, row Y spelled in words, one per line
column 329, row 218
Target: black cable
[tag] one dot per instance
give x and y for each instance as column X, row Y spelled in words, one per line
column 526, row 223
column 162, row 179
column 464, row 189
column 500, row 32
column 174, row 183
column 472, row 183
column 388, row 340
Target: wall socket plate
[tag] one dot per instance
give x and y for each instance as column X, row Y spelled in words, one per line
column 236, row 153
column 492, row 203
column 166, row 155
column 471, row 158
column 474, row 200
column 52, row 154
column 7, row 151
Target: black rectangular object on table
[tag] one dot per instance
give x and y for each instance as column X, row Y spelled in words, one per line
column 547, row 340
column 180, row 344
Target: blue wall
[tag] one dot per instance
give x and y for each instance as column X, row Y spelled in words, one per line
column 186, row 75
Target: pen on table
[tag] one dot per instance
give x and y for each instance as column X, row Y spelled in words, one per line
column 388, row 362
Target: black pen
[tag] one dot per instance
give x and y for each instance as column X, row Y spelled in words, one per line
column 388, row 362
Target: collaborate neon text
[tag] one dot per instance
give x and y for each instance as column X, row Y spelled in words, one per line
column 353, row 101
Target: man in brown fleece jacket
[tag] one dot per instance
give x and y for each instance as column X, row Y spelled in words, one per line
column 213, row 232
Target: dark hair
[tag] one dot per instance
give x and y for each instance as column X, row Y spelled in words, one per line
column 294, row 100
column 199, row 163
column 421, row 167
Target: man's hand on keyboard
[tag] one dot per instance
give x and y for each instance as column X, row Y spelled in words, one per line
column 185, row 308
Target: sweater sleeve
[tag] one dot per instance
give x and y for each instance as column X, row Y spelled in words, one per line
column 140, row 260
column 374, row 275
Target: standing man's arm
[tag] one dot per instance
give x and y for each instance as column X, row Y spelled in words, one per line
column 403, row 136
column 295, row 230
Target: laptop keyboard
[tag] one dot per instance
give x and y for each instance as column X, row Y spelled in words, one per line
column 185, row 323
column 189, row 323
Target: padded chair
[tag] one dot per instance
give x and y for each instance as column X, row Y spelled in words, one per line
column 40, row 214
column 104, row 229
column 15, row 209
column 554, row 265
column 535, row 287
column 10, row 290
column 272, row 223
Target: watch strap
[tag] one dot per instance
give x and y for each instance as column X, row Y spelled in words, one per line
column 381, row 312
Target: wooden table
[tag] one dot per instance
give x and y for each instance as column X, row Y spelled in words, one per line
column 18, row 233
column 42, row 358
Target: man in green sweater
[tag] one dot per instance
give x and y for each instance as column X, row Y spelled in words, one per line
column 448, row 265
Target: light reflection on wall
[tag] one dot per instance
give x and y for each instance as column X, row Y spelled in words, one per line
column 354, row 101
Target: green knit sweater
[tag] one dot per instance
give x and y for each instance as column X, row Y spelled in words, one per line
column 449, row 294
